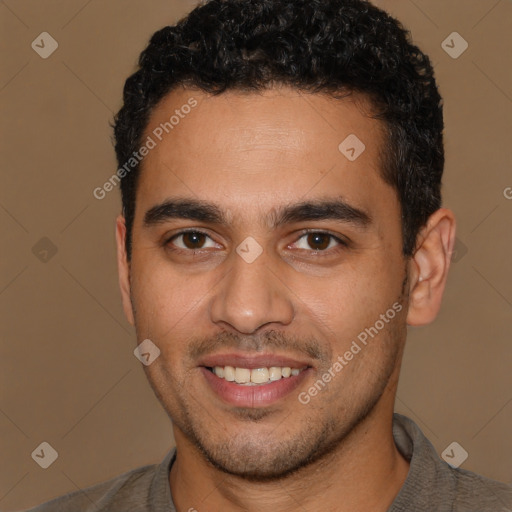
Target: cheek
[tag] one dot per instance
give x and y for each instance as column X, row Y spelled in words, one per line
column 166, row 306
column 351, row 299
column 168, row 300
column 161, row 296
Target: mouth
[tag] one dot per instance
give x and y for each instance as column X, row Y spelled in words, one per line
column 254, row 376
column 256, row 381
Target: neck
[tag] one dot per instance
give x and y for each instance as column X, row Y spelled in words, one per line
column 365, row 472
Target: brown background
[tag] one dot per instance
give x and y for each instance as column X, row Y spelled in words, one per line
column 68, row 373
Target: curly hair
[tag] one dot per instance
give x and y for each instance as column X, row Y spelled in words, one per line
column 316, row 46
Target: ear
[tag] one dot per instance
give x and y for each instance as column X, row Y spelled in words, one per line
column 428, row 268
column 123, row 268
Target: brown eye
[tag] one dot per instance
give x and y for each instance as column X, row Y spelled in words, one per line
column 193, row 240
column 318, row 241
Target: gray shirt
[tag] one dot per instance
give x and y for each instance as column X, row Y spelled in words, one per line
column 431, row 485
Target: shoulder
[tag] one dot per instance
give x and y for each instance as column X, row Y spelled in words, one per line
column 433, row 484
column 129, row 491
column 473, row 490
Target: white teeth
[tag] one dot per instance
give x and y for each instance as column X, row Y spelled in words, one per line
column 242, row 375
column 286, row 371
column 250, row 377
column 274, row 373
column 259, row 375
column 229, row 373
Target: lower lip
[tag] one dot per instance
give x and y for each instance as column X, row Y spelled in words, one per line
column 253, row 396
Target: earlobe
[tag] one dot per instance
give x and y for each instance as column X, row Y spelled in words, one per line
column 123, row 268
column 428, row 268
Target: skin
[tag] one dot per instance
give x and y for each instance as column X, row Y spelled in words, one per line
column 251, row 154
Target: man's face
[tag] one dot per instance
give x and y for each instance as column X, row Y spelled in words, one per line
column 265, row 282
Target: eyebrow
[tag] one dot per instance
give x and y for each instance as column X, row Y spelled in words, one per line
column 316, row 210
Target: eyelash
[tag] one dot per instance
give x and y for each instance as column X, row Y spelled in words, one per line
column 319, row 252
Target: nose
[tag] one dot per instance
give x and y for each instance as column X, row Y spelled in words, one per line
column 251, row 296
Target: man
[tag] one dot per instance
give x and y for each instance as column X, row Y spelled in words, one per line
column 281, row 165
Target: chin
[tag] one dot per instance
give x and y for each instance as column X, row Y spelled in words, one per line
column 267, row 456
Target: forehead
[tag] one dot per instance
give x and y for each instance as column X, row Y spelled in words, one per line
column 259, row 149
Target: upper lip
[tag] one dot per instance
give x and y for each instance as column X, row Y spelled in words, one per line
column 252, row 361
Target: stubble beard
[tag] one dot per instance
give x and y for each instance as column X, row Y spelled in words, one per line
column 271, row 457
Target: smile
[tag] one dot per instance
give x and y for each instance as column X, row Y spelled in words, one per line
column 254, row 376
